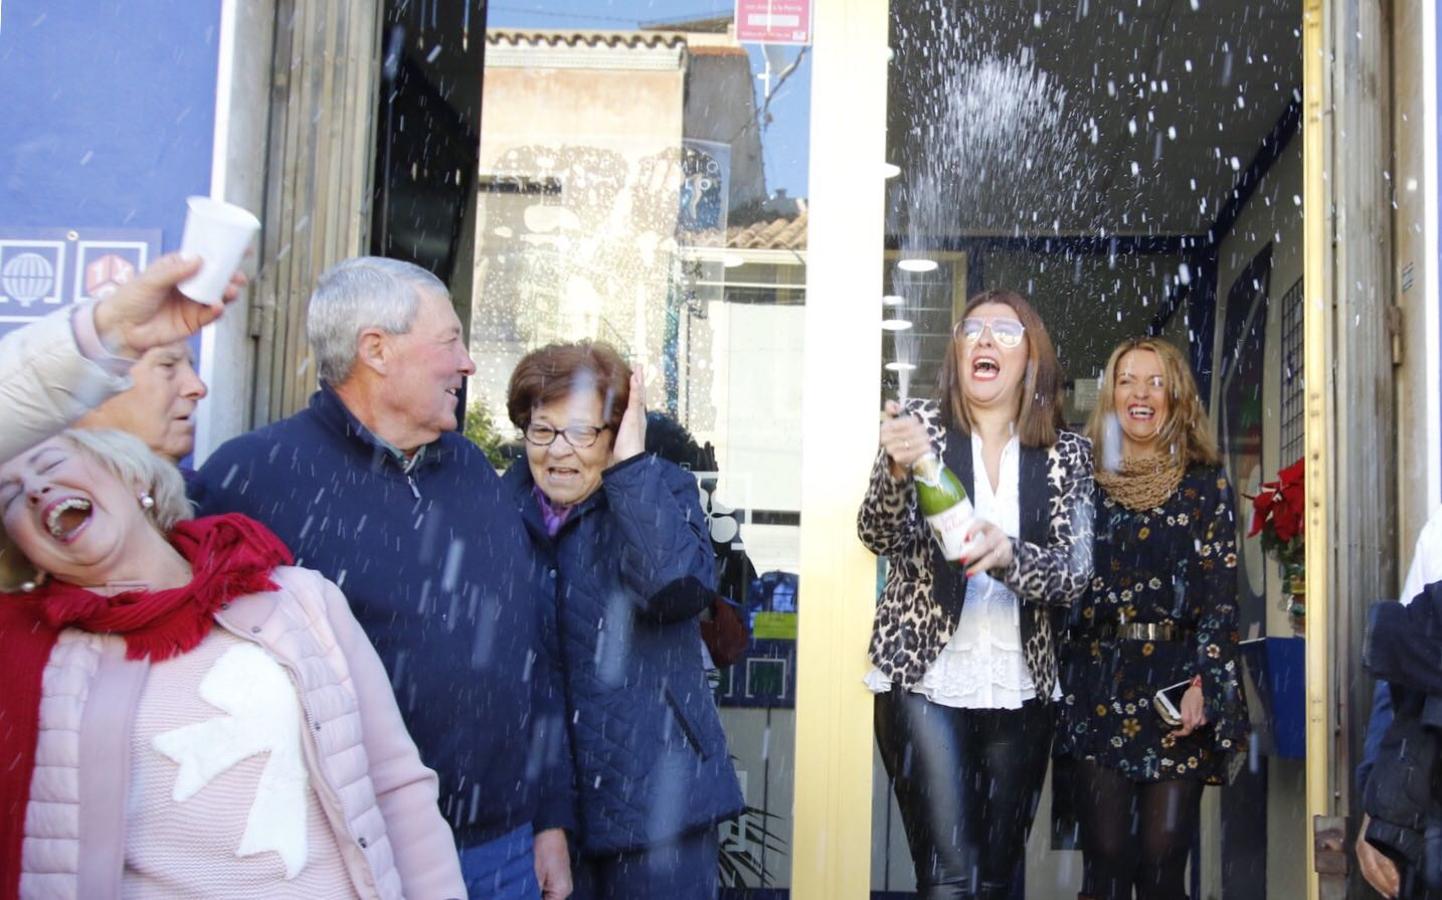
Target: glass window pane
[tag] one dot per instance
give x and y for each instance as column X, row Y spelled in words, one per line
column 643, row 182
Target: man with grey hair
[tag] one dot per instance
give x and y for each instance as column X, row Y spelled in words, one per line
column 372, row 486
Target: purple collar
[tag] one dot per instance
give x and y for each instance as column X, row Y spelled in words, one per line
column 553, row 516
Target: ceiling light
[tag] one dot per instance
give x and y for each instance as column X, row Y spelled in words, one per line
column 916, row 264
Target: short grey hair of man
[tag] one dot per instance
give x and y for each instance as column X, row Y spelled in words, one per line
column 360, row 293
column 131, row 462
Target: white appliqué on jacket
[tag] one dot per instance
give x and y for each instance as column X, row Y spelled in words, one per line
column 263, row 716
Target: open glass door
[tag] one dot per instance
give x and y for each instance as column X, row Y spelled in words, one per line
column 1134, row 170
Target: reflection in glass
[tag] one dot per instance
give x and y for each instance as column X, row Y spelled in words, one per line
column 643, row 182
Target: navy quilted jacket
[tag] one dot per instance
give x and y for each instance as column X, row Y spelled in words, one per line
column 633, row 568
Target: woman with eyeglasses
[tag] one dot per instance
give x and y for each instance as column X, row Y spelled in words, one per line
column 965, row 669
column 630, row 558
column 1160, row 613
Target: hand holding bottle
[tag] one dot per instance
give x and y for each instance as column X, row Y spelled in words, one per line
column 904, row 439
column 987, row 548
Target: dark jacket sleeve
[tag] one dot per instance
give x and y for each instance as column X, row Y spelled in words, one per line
column 1212, row 592
column 664, row 549
column 1402, row 642
column 1377, row 725
column 1056, row 573
column 557, row 778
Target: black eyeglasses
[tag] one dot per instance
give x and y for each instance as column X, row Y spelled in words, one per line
column 578, row 436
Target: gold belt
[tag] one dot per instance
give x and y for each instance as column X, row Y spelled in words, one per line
column 1150, row 631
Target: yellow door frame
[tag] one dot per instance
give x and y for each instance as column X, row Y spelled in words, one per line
column 831, row 837
column 1317, row 355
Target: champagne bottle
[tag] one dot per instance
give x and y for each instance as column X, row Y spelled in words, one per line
column 944, row 505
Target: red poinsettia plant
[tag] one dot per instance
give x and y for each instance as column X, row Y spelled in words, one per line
column 1279, row 514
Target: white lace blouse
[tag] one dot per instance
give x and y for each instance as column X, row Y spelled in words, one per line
column 983, row 665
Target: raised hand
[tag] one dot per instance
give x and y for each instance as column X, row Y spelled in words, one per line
column 903, row 437
column 149, row 311
column 631, row 435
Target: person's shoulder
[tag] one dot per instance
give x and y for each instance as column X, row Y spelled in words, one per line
column 1073, row 442
column 1074, row 451
column 672, row 473
column 1209, row 482
column 266, row 438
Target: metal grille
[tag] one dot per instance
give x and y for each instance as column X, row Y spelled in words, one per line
column 1293, row 430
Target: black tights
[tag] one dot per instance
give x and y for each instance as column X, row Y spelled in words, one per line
column 1135, row 834
column 967, row 782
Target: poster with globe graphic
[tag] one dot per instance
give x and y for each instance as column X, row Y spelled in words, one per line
column 44, row 269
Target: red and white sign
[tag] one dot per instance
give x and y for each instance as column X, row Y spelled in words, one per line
column 773, row 21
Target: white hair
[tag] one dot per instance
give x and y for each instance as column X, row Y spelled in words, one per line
column 133, row 463
column 360, row 293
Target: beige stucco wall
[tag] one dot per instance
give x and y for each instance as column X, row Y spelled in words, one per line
column 1412, row 249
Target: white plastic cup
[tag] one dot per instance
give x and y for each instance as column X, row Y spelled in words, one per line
column 219, row 233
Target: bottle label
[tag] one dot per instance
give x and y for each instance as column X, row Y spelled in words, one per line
column 950, row 529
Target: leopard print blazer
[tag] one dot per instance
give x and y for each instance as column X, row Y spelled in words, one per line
column 911, row 627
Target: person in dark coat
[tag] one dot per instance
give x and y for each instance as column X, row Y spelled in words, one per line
column 371, row 485
column 633, row 568
column 1161, row 611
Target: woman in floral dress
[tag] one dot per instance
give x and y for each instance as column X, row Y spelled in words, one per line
column 1161, row 610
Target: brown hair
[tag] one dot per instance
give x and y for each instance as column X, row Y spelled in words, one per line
column 1187, row 430
column 555, row 370
column 1039, row 417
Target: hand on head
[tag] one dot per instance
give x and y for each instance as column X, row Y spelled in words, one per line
column 631, row 435
column 149, row 310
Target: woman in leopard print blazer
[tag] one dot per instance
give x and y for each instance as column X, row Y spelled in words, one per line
column 965, row 664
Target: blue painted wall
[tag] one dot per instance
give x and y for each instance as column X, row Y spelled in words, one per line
column 109, row 111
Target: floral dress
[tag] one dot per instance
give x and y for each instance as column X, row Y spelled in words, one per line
column 1175, row 564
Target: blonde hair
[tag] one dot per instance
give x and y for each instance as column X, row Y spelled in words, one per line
column 133, row 463
column 1187, row 431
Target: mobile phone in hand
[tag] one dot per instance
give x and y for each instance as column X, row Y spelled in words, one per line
column 1168, row 702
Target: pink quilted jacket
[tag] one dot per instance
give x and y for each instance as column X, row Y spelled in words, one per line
column 379, row 799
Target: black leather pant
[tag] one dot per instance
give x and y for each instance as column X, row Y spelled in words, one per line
column 967, row 782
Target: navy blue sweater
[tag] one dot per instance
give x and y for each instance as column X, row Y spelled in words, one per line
column 440, row 573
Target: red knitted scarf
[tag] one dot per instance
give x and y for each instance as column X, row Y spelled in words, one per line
column 230, row 556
